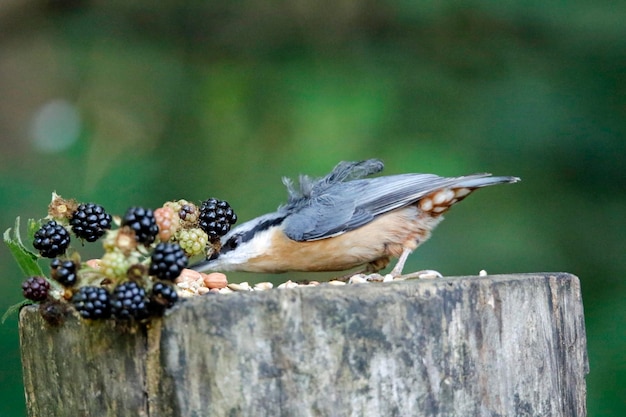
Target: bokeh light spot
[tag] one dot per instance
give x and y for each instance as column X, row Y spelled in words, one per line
column 55, row 126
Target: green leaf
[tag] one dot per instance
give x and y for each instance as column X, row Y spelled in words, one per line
column 33, row 226
column 26, row 260
column 14, row 309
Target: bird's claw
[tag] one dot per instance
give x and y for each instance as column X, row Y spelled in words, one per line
column 376, row 277
column 424, row 274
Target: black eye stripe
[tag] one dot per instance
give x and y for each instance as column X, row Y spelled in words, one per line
column 231, row 244
column 258, row 228
column 240, row 238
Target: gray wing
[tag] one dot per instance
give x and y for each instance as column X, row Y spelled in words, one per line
column 347, row 205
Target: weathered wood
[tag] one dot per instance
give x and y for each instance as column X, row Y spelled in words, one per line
column 472, row 346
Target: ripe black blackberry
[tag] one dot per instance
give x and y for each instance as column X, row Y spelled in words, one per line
column 167, row 261
column 142, row 221
column 35, row 288
column 63, row 271
column 216, row 218
column 51, row 240
column 90, row 221
column 129, row 301
column 92, row 302
column 162, row 296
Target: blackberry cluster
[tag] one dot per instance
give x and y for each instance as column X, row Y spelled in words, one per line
column 162, row 296
column 35, row 288
column 63, row 271
column 168, row 261
column 90, row 222
column 51, row 240
column 133, row 278
column 143, row 223
column 129, row 301
column 216, row 218
column 92, row 302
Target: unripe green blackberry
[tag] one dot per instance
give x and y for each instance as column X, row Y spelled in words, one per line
column 92, row 302
column 115, row 264
column 63, row 271
column 122, row 239
column 110, row 239
column 162, row 296
column 90, row 222
column 35, row 288
column 167, row 261
column 216, row 218
column 129, row 301
column 192, row 241
column 143, row 223
column 51, row 240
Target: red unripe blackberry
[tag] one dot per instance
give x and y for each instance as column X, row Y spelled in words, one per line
column 51, row 239
column 162, row 296
column 63, row 271
column 167, row 261
column 90, row 222
column 216, row 218
column 35, row 288
column 167, row 221
column 92, row 302
column 129, row 301
column 142, row 221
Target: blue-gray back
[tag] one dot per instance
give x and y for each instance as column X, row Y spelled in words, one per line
column 337, row 203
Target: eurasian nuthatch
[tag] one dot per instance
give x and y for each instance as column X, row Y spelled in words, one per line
column 342, row 221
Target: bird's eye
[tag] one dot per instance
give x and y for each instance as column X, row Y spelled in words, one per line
column 231, row 244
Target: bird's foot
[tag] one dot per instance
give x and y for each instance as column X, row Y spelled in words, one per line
column 374, row 277
column 359, row 278
column 424, row 274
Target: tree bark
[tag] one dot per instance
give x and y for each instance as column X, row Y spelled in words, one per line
column 510, row 345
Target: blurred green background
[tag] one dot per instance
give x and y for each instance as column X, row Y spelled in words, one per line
column 137, row 102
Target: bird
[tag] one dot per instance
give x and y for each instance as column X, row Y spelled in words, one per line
column 344, row 221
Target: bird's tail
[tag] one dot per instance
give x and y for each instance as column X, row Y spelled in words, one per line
column 483, row 180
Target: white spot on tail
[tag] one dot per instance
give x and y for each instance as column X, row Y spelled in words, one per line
column 426, row 204
column 439, row 198
column 443, row 196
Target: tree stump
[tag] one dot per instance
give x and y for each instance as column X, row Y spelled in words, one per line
column 509, row 345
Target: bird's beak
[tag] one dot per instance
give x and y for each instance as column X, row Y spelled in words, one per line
column 202, row 266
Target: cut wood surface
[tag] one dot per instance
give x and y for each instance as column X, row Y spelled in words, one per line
column 508, row 345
